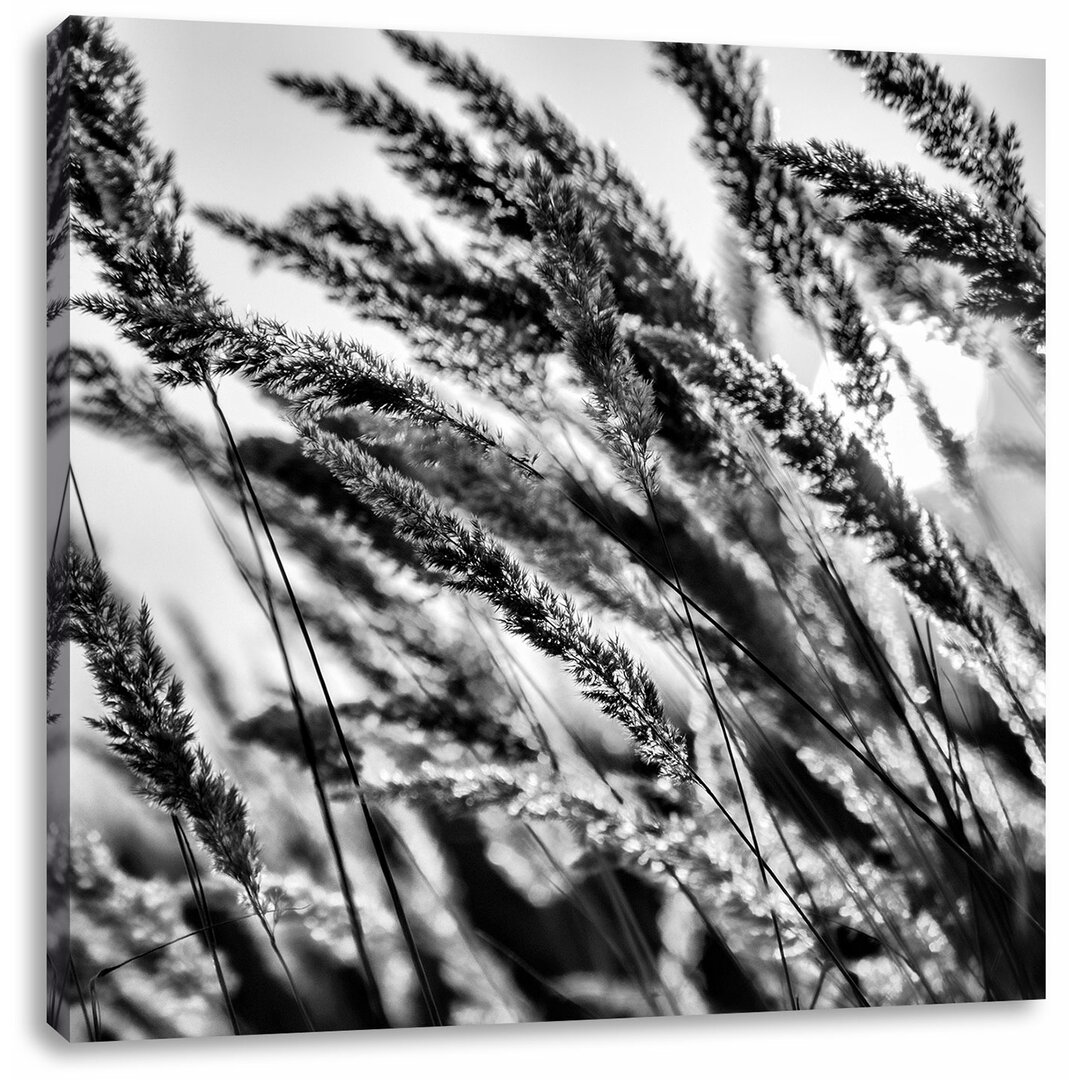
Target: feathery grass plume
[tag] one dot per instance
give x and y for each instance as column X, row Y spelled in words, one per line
column 650, row 276
column 329, row 376
column 341, row 380
column 778, row 215
column 164, row 268
column 482, row 319
column 1005, row 280
column 157, row 265
column 575, row 274
column 497, row 352
column 442, row 164
column 635, row 235
column 892, row 806
column 955, row 130
column 622, row 405
column 313, row 372
column 328, row 534
column 492, row 102
column 926, row 294
column 57, row 155
column 921, row 555
column 126, row 202
column 147, row 725
column 57, row 623
column 131, row 405
column 135, row 407
column 57, row 232
column 469, row 559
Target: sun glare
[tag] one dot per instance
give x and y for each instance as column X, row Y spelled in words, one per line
column 955, row 383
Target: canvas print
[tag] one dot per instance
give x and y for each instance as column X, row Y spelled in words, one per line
column 539, row 529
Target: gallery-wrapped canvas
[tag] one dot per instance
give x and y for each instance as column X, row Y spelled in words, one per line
column 539, row 529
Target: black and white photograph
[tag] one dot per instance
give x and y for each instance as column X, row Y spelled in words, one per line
column 539, row 529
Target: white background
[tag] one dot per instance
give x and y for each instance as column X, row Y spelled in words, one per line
column 1030, row 1040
